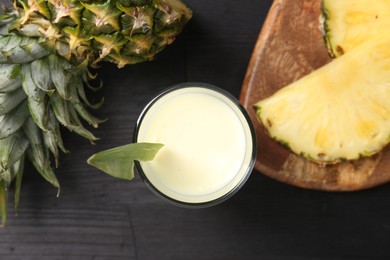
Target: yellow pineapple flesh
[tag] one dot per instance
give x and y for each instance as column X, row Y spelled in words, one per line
column 348, row 23
column 338, row 112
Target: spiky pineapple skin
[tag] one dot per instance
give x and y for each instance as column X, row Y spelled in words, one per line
column 123, row 32
column 338, row 112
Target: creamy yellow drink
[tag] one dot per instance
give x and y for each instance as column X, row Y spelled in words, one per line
column 209, row 144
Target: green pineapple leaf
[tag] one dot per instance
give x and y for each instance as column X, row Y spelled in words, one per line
column 119, row 162
column 3, row 203
column 18, row 171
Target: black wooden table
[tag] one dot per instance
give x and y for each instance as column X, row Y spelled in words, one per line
column 99, row 217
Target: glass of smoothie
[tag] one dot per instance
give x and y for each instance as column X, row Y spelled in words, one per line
column 209, row 144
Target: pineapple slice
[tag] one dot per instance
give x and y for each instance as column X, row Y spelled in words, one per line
column 348, row 23
column 338, row 112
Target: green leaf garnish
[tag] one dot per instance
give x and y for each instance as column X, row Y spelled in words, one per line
column 119, row 162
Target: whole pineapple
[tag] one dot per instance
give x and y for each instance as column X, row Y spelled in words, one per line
column 46, row 48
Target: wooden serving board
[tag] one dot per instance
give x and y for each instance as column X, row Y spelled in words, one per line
column 290, row 46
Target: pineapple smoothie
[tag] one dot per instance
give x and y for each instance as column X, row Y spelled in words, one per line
column 209, row 144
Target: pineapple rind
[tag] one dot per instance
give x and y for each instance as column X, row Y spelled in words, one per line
column 338, row 112
column 82, row 24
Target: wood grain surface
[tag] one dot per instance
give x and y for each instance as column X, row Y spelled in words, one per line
column 102, row 218
column 290, row 46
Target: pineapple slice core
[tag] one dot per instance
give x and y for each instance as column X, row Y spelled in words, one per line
column 338, row 112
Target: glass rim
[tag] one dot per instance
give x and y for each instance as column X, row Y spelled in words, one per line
column 252, row 131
